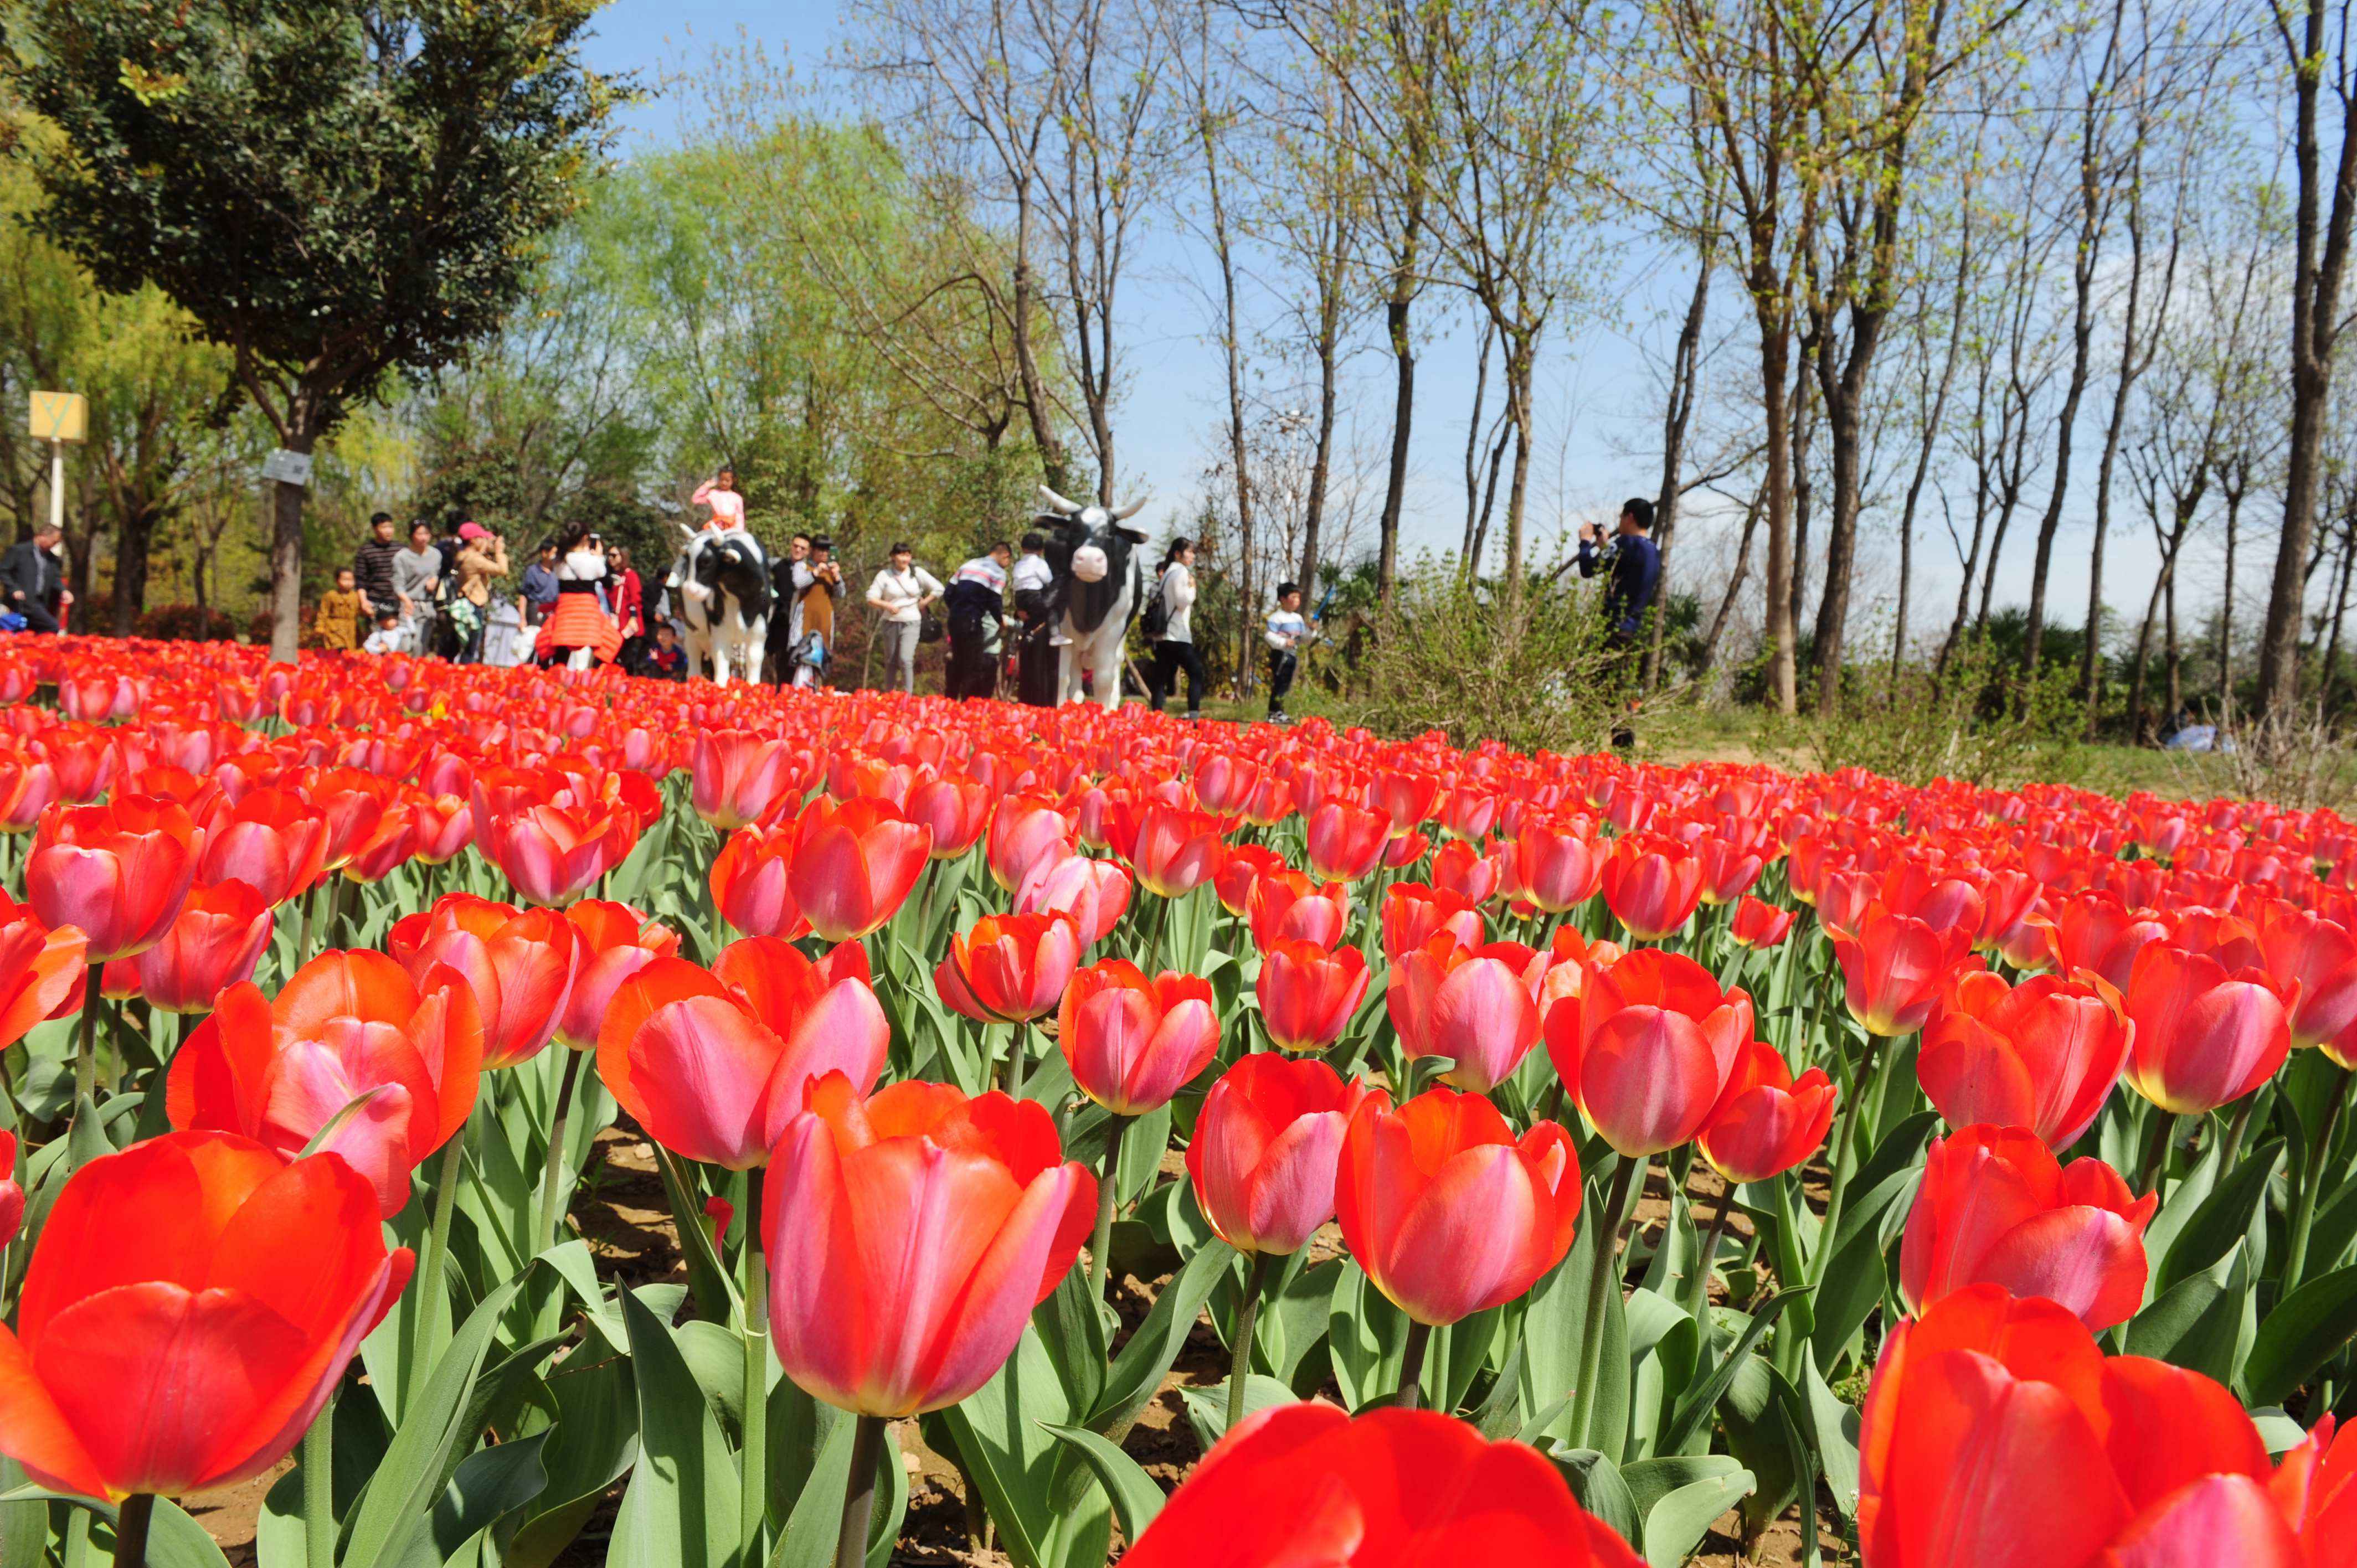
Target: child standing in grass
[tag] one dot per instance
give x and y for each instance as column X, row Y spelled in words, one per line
column 337, row 619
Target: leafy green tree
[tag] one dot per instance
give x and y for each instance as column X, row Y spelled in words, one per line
column 335, row 190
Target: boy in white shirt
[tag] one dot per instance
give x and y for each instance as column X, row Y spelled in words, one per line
column 1285, row 632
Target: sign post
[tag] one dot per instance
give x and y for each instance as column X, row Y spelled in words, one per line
column 58, row 417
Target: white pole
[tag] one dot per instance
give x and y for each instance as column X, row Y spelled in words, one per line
column 57, row 486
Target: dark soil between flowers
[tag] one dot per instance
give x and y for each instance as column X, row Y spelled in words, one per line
column 627, row 1221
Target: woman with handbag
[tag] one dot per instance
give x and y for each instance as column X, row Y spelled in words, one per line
column 899, row 596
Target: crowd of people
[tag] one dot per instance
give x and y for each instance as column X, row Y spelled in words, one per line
column 579, row 600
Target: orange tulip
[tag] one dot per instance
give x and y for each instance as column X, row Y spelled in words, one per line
column 957, row 810
column 1345, row 841
column 1263, row 1154
column 748, row 882
column 2318, row 957
column 713, row 1064
column 1651, row 884
column 1288, row 907
column 2042, row 1055
column 1477, row 1006
column 739, row 776
column 520, row 966
column 1240, row 868
column 1022, row 830
column 215, row 943
column 1766, row 1122
column 1994, row 1207
column 1552, row 868
column 189, row 1307
column 1133, row 1043
column 116, row 871
column 349, row 1045
column 274, row 841
column 1759, row 924
column 1648, row 1047
column 1016, row 967
column 614, row 942
column 853, row 864
column 910, row 1236
column 1307, row 996
column 1893, row 967
column 553, row 855
column 1446, row 1211
column 1177, row 850
column 40, row 970
column 1412, row 913
column 2203, row 1037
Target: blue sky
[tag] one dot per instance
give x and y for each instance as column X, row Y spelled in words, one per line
column 1597, row 397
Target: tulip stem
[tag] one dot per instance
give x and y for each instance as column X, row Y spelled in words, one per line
column 431, row 1296
column 859, row 1492
column 1411, row 1383
column 2311, row 1182
column 1108, row 1194
column 1710, row 1240
column 754, row 1508
column 2236, row 1130
column 131, row 1529
column 1837, row 1162
column 1247, row 1319
column 1016, row 1048
column 319, row 1489
column 86, row 1056
column 1602, row 1279
column 555, row 1176
column 2155, row 1152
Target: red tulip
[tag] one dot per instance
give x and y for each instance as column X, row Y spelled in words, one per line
column 1479, row 1006
column 1893, row 967
column 1307, row 1484
column 910, row 1236
column 1022, row 830
column 41, row 970
column 117, row 871
column 748, row 882
column 445, row 826
column 520, row 966
column 739, row 776
column 218, row 937
column 28, row 789
column 1133, row 1043
column 1265, row 1144
column 12, row 1195
column 957, row 810
column 1996, row 1207
column 1463, row 869
column 714, row 1063
column 1468, row 814
column 1552, row 868
column 1728, row 868
column 1757, row 925
column 1241, row 869
column 2075, row 1459
column 349, row 1044
column 1345, row 841
column 1445, row 1210
column 1016, row 967
column 1414, row 913
column 2096, row 931
column 2318, row 957
column 1648, row 1047
column 1177, row 850
column 274, row 841
column 2041, row 1055
column 1307, row 996
column 1766, row 1122
column 1288, row 907
column 854, row 865
column 1651, row 884
column 553, row 855
column 1406, row 850
column 1095, row 893
column 2203, row 1037
column 384, row 847
column 614, row 942
column 191, row 1304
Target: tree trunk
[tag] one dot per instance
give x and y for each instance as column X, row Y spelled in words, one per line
column 2233, row 492
column 2340, row 603
column 1055, row 462
column 1239, row 454
column 1775, row 352
column 1684, row 373
column 1842, row 424
column 2320, row 255
column 1519, row 352
column 302, row 434
column 1734, row 585
column 1470, row 562
column 1804, row 429
column 135, row 535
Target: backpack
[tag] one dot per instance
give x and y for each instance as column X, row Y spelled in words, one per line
column 1155, row 622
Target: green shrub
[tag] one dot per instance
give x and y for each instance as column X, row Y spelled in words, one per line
column 1976, row 720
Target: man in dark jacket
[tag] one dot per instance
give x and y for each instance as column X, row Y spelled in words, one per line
column 372, row 566
column 34, row 579
column 1635, row 564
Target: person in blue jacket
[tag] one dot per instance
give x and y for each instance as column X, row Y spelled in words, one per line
column 1634, row 563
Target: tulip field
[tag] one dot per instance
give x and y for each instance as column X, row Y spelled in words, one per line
column 453, row 1115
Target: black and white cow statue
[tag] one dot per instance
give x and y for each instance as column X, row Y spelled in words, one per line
column 1101, row 580
column 720, row 584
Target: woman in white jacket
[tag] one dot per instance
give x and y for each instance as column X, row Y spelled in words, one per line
column 1174, row 650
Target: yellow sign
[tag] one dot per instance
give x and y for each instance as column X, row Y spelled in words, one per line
column 60, row 416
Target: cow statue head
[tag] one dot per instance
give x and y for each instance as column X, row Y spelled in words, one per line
column 1090, row 544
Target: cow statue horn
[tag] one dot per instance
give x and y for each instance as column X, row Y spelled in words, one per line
column 1131, row 511
column 1059, row 502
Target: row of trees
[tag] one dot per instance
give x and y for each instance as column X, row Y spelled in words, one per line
column 1917, row 276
